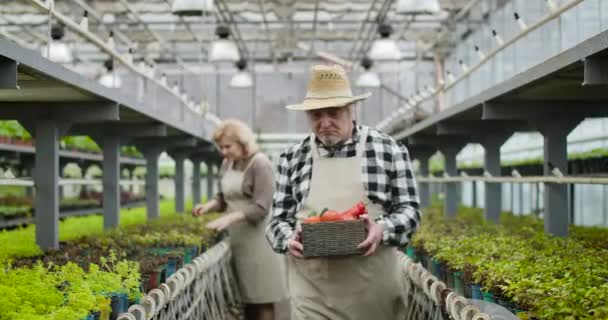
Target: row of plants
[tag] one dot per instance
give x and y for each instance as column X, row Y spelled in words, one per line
column 95, row 274
column 592, row 161
column 517, row 265
column 12, row 207
column 20, row 242
column 11, row 132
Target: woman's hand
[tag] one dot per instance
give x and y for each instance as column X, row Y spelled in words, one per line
column 225, row 221
column 199, row 210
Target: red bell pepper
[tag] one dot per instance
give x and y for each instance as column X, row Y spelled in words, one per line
column 331, row 215
column 356, row 211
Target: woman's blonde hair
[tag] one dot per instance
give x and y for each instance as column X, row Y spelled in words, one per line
column 239, row 132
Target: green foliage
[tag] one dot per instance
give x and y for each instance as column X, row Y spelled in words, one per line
column 21, row 242
column 13, row 129
column 54, row 286
column 79, row 143
column 554, row 278
column 130, row 151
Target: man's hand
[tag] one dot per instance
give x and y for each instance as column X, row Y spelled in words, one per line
column 294, row 246
column 225, row 221
column 374, row 236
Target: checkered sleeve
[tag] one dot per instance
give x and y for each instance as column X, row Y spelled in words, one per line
column 284, row 207
column 404, row 216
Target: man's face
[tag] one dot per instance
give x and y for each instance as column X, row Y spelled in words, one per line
column 331, row 125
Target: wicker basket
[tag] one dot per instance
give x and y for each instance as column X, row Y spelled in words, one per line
column 333, row 239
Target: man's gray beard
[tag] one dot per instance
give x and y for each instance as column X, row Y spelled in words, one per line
column 329, row 141
column 332, row 142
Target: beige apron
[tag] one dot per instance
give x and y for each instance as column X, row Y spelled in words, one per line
column 260, row 271
column 354, row 287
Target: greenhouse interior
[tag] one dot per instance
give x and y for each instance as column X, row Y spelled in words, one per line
column 222, row 159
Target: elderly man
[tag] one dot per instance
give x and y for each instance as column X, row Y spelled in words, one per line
column 340, row 164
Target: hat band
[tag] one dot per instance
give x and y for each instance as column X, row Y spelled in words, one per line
column 325, row 98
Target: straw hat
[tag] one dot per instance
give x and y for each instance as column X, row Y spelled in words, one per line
column 328, row 87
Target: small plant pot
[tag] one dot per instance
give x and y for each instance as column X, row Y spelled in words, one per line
column 449, row 277
column 188, row 254
column 504, row 302
column 171, row 267
column 436, row 268
column 488, row 296
column 459, row 283
column 116, row 306
column 150, row 280
column 124, row 302
column 411, row 253
column 163, row 274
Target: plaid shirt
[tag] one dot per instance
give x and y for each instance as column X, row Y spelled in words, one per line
column 387, row 177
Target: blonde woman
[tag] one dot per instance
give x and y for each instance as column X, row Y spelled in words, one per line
column 246, row 190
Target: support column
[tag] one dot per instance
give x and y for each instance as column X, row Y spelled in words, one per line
column 493, row 191
column 210, row 180
column 111, row 181
column 555, row 133
column 196, row 181
column 151, row 154
column 180, row 196
column 423, row 157
column 473, row 194
column 29, row 168
column 451, row 188
column 62, row 165
column 131, row 172
column 46, row 180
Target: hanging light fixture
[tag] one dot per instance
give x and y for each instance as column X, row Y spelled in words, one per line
column 385, row 48
column 57, row 51
column 242, row 79
column 418, row 6
column 192, row 7
column 368, row 79
column 223, row 49
column 110, row 79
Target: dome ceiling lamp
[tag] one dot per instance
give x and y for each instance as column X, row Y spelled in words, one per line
column 418, row 6
column 385, row 49
column 223, row 49
column 192, row 7
column 110, row 79
column 242, row 79
column 368, row 79
column 56, row 50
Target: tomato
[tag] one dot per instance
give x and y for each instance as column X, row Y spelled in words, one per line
column 313, row 219
column 331, row 215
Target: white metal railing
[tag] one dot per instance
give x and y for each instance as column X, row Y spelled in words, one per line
column 63, row 182
column 424, row 293
column 556, row 177
column 203, row 289
column 425, row 94
column 206, row 289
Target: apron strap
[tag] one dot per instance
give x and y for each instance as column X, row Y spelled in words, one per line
column 257, row 155
column 313, row 147
column 231, row 163
column 362, row 141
